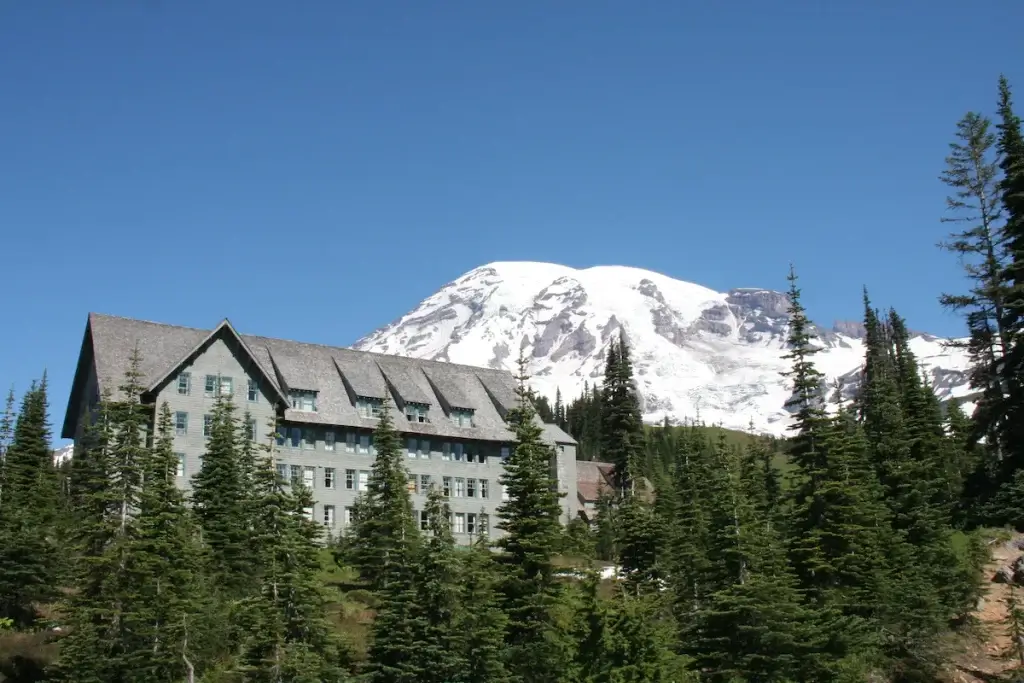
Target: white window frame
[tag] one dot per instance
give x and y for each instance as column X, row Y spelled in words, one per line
column 330, row 477
column 328, row 516
column 179, row 468
column 180, row 423
column 350, row 442
column 252, row 391
column 328, row 441
column 187, row 377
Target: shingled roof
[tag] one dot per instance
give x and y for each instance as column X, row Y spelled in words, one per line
column 338, row 375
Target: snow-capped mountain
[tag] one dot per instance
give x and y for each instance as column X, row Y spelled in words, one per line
column 697, row 353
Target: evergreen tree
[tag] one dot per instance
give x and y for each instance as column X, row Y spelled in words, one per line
column 1010, row 418
column 537, row 650
column 28, row 556
column 482, row 624
column 439, row 653
column 640, row 543
column 384, row 533
column 221, row 502
column 622, row 435
column 6, row 434
column 163, row 563
column 289, row 639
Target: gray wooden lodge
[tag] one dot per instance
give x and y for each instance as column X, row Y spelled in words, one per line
column 327, row 399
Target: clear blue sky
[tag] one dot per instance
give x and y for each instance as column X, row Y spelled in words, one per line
column 314, row 169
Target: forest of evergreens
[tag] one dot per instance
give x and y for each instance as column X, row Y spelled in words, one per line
column 851, row 551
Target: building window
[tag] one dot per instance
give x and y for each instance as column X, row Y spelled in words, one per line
column 303, row 400
column 460, row 523
column 460, row 487
column 282, row 473
column 309, row 477
column 328, row 477
column 350, row 479
column 179, row 468
column 350, row 442
column 296, row 437
column 411, row 446
column 470, row 523
column 416, row 412
column 252, row 393
column 329, row 441
column 281, row 433
column 424, row 520
column 364, row 480
column 250, row 425
column 210, row 387
column 185, row 383
column 369, row 407
column 309, row 439
column 481, row 458
column 346, row 516
column 181, row 423
column 446, row 451
column 505, row 453
column 462, row 417
column 504, row 492
column 296, row 474
column 458, row 455
column 424, row 448
column 207, row 425
column 484, row 522
column 364, row 443
column 424, row 483
column 484, row 489
column 471, row 488
column 227, row 387
column 308, row 512
column 329, row 516
column 446, row 486
column 414, row 484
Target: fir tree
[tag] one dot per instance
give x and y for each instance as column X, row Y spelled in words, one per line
column 28, row 556
column 622, row 436
column 289, row 639
column 640, row 543
column 384, row 533
column 439, row 653
column 972, row 174
column 163, row 563
column 1011, row 417
column 482, row 624
column 221, row 502
column 530, row 518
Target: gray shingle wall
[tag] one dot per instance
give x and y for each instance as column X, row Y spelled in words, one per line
column 327, row 370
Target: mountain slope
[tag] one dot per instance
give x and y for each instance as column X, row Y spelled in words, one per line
column 698, row 353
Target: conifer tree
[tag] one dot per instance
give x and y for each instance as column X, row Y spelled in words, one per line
column 289, row 639
column 439, row 653
column 972, row 173
column 640, row 542
column 622, row 435
column 6, row 434
column 384, row 534
column 163, row 563
column 221, row 500
column 28, row 556
column 482, row 624
column 537, row 650
column 1010, row 144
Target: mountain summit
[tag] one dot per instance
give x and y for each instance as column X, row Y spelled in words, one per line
column 697, row 353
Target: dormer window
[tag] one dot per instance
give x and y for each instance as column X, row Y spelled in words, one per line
column 461, row 417
column 369, row 407
column 303, row 400
column 416, row 412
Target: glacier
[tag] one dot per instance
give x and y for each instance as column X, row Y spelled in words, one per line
column 698, row 354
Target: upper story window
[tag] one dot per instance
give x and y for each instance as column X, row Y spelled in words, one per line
column 185, row 383
column 416, row 412
column 253, row 391
column 218, row 385
column 369, row 407
column 303, row 400
column 462, row 417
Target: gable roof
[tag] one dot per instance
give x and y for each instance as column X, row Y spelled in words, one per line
column 223, row 328
column 339, row 375
column 593, row 478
